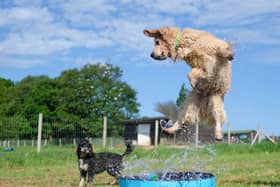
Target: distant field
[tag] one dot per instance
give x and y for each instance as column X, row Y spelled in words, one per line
column 233, row 165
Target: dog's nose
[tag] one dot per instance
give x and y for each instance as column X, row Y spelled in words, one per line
column 152, row 55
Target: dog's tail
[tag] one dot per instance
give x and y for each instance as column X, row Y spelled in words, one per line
column 129, row 148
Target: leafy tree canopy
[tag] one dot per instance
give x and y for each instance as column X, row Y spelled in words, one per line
column 82, row 95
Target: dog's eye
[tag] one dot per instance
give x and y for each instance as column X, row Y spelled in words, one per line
column 157, row 42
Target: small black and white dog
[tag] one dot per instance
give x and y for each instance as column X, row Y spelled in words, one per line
column 91, row 163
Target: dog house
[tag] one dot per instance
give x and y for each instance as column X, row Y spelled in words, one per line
column 143, row 131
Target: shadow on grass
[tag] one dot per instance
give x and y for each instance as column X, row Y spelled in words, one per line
column 269, row 183
column 257, row 183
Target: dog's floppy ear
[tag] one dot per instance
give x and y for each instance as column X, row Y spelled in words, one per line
column 152, row 33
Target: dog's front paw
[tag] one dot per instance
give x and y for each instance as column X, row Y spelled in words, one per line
column 113, row 182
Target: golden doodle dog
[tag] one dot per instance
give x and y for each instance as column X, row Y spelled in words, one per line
column 210, row 59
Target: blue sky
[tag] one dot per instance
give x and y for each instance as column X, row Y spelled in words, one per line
column 45, row 37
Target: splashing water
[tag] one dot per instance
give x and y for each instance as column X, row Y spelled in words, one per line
column 157, row 168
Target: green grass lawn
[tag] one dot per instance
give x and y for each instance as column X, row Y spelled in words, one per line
column 233, row 165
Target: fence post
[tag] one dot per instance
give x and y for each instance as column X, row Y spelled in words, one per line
column 74, row 142
column 104, row 131
column 40, row 124
column 156, row 133
column 270, row 139
column 260, row 135
column 255, row 138
column 196, row 135
column 228, row 126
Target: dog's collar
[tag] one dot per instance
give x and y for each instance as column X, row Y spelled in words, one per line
column 178, row 39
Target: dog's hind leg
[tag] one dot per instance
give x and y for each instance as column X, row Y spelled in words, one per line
column 172, row 130
column 115, row 171
column 189, row 114
column 191, row 109
column 90, row 177
column 216, row 104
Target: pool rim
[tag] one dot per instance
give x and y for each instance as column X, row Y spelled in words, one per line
column 211, row 176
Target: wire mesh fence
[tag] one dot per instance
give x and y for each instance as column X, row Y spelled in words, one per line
column 23, row 131
column 19, row 131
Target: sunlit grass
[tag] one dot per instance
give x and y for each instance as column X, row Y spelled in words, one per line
column 233, row 165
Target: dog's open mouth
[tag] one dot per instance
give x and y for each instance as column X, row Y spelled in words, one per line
column 159, row 57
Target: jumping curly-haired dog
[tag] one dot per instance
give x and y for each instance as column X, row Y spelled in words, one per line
column 210, row 59
column 91, row 163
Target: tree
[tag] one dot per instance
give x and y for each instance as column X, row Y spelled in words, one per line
column 170, row 109
column 25, row 100
column 77, row 100
column 183, row 93
column 30, row 96
column 4, row 85
column 94, row 91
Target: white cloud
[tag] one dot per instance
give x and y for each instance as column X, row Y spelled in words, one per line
column 50, row 27
column 24, row 17
column 235, row 12
column 51, row 38
column 247, row 36
column 176, row 7
column 84, row 12
column 7, row 61
column 244, row 22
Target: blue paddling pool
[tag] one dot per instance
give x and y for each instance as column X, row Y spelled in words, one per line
column 172, row 179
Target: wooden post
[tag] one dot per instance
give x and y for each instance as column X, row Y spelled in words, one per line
column 273, row 137
column 40, row 124
column 174, row 138
column 270, row 139
column 255, row 138
column 90, row 141
column 104, row 131
column 196, row 135
column 60, row 142
column 156, row 133
column 74, row 142
column 260, row 136
column 17, row 142
column 111, row 142
column 32, row 143
column 228, row 126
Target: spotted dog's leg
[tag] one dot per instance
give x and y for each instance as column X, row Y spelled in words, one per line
column 115, row 171
column 90, row 177
column 83, row 175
